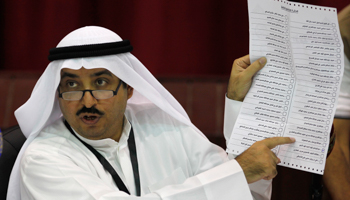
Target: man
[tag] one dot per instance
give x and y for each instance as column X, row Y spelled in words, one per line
column 123, row 136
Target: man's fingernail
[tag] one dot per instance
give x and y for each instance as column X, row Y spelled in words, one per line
column 293, row 139
column 262, row 60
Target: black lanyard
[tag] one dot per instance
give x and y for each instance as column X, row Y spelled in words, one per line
column 108, row 166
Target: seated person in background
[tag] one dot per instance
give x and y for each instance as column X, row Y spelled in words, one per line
column 337, row 172
column 100, row 126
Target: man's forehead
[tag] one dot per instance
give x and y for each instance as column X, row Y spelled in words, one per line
column 82, row 72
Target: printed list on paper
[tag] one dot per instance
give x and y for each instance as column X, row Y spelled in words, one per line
column 295, row 94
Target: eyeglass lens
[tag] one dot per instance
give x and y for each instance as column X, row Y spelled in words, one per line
column 77, row 95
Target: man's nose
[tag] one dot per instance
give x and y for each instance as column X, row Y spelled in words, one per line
column 88, row 100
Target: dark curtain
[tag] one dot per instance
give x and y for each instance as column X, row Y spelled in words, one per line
column 169, row 37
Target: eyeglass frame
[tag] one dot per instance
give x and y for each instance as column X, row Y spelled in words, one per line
column 115, row 92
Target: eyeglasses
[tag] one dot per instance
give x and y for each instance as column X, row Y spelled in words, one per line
column 97, row 94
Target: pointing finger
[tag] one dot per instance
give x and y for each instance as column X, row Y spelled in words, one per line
column 274, row 141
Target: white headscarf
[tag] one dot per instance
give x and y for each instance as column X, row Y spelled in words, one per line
column 42, row 107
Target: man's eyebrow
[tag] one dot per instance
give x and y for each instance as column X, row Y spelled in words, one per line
column 66, row 74
column 104, row 72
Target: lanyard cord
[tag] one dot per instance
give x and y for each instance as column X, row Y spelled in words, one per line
column 108, row 166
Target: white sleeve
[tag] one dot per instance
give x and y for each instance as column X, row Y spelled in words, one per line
column 232, row 108
column 224, row 182
column 63, row 179
column 261, row 190
column 343, row 105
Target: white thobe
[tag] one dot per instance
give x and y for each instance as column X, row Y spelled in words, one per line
column 175, row 162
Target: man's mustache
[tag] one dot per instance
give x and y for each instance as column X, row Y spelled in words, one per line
column 91, row 110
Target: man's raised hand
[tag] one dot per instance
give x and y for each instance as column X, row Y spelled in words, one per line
column 241, row 76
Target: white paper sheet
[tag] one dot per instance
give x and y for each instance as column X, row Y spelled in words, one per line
column 295, row 94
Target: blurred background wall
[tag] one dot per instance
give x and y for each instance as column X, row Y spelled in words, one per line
column 169, row 37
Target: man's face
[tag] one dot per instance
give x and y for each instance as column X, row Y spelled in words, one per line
column 94, row 118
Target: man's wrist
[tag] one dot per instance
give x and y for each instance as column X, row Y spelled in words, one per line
column 233, row 97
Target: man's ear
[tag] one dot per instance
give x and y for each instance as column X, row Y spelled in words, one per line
column 130, row 91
